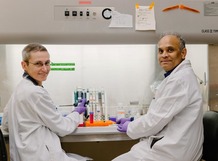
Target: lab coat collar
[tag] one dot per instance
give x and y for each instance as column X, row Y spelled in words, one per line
column 169, row 72
column 27, row 76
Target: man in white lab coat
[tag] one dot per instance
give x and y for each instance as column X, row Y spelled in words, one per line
column 31, row 117
column 172, row 129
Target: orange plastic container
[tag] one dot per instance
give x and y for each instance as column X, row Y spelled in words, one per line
column 99, row 123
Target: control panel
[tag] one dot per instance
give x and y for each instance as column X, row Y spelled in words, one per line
column 82, row 13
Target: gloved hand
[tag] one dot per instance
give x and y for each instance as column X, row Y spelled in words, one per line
column 123, row 127
column 123, row 120
column 81, row 106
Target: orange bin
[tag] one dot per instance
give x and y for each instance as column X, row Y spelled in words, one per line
column 99, row 123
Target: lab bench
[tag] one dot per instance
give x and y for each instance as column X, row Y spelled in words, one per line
column 95, row 134
column 100, row 143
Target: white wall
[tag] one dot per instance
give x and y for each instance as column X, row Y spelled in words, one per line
column 125, row 72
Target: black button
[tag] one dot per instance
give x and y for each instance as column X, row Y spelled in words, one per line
column 87, row 13
column 81, row 13
column 67, row 13
column 74, row 13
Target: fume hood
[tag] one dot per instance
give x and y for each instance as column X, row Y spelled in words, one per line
column 88, row 22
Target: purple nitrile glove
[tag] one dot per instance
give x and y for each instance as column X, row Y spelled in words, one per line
column 123, row 120
column 81, row 106
column 123, row 127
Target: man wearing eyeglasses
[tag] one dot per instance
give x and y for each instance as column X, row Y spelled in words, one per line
column 31, row 117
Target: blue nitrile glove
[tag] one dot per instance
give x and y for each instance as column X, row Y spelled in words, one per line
column 123, row 120
column 81, row 107
column 123, row 127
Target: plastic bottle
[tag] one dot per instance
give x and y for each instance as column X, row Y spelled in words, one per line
column 120, row 111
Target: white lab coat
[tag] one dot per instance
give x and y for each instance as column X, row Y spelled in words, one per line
column 174, row 117
column 34, row 125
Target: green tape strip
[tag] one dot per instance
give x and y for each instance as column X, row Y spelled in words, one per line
column 62, row 69
column 62, row 64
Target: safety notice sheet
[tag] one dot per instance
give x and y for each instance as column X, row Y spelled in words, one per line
column 145, row 18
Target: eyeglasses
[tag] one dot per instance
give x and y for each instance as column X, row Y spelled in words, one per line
column 40, row 64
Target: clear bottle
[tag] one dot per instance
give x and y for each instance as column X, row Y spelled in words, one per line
column 120, row 111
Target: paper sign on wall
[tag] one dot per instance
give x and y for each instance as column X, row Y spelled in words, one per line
column 145, row 18
column 121, row 20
